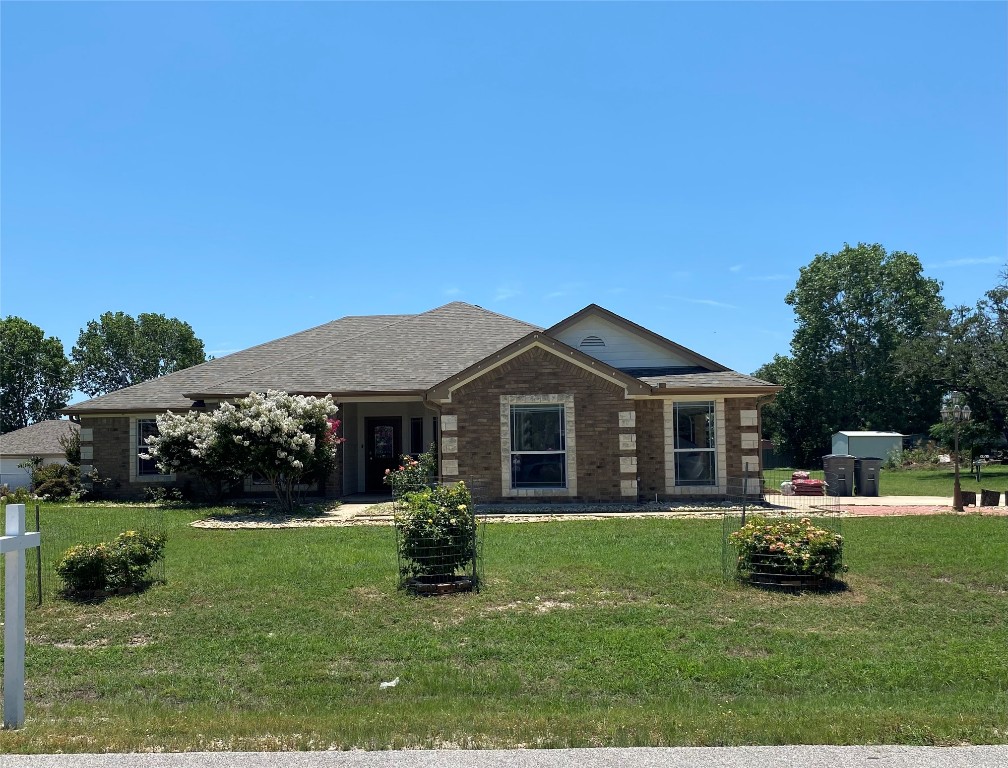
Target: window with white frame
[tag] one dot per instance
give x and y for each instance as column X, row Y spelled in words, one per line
column 145, row 428
column 695, row 448
column 538, row 446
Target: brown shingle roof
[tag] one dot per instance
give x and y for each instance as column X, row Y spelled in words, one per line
column 721, row 380
column 39, row 439
column 377, row 353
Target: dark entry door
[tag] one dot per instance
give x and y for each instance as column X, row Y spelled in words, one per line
column 383, row 449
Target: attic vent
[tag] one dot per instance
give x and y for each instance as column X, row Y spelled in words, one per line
column 591, row 341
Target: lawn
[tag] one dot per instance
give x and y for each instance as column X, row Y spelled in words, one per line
column 923, row 481
column 614, row 632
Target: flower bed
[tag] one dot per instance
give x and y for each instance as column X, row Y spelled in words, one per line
column 787, row 552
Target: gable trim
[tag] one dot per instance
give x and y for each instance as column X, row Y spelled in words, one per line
column 442, row 392
column 640, row 330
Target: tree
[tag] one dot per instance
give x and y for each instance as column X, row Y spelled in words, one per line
column 285, row 438
column 855, row 312
column 118, row 351
column 966, row 350
column 36, row 378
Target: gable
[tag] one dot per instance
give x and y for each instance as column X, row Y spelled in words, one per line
column 625, row 345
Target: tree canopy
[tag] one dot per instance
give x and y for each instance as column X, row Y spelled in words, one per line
column 856, row 311
column 117, row 350
column 35, row 376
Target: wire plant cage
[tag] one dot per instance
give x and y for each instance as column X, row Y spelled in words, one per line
column 774, row 539
column 439, row 539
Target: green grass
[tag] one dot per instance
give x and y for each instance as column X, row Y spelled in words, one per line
column 925, row 481
column 615, row 632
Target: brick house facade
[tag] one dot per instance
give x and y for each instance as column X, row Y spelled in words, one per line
column 595, row 408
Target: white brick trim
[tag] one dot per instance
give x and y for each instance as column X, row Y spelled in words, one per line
column 627, row 442
column 628, row 419
column 628, row 465
column 449, row 467
column 748, row 418
column 750, row 441
column 449, row 445
column 86, row 434
column 628, row 487
column 449, row 423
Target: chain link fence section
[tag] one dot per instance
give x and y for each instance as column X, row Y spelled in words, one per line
column 770, row 494
column 63, row 527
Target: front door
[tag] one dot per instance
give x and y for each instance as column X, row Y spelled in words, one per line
column 382, row 450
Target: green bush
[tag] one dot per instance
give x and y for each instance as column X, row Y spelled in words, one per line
column 120, row 566
column 788, row 547
column 413, row 474
column 16, row 496
column 437, row 530
column 57, row 489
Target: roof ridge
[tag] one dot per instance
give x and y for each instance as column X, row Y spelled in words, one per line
column 491, row 312
column 316, row 350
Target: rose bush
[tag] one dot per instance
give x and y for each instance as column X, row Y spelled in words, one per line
column 437, row 531
column 788, row 546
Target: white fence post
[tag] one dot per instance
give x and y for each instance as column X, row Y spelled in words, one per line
column 13, row 546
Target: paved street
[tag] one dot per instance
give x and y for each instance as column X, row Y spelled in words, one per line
column 651, row 757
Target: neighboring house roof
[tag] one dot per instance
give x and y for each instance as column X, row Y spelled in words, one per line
column 871, row 434
column 39, row 439
column 374, row 354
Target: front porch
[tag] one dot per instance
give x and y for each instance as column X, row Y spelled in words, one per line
column 377, row 434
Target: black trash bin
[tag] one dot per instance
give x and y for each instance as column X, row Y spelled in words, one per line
column 838, row 469
column 867, row 472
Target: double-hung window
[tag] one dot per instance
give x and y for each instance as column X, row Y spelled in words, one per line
column 538, row 446
column 145, row 428
column 695, row 449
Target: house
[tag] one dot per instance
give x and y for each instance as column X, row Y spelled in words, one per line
column 41, row 440
column 864, row 445
column 594, row 408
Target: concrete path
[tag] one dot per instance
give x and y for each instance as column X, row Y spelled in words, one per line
column 645, row 757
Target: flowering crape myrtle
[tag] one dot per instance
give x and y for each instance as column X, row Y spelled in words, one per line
column 285, row 438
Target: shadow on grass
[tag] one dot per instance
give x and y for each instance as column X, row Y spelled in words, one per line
column 269, row 512
column 788, row 585
column 99, row 596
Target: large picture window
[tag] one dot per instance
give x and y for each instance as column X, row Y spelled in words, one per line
column 145, row 428
column 538, row 446
column 695, row 449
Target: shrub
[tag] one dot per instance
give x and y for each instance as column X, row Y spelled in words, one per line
column 437, row 531
column 120, row 566
column 788, row 546
column 57, row 489
column 412, row 475
column 16, row 496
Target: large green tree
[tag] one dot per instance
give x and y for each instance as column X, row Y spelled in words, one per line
column 855, row 311
column 966, row 349
column 117, row 351
column 35, row 376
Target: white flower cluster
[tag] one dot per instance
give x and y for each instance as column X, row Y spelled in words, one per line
column 276, row 434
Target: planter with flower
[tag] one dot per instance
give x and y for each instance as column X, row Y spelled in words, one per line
column 436, row 533
column 786, row 552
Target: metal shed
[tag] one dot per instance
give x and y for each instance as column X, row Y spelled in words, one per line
column 868, row 444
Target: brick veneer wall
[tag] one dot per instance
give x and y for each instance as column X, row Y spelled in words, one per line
column 597, row 404
column 651, row 448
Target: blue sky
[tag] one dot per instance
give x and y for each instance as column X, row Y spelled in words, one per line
column 257, row 168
